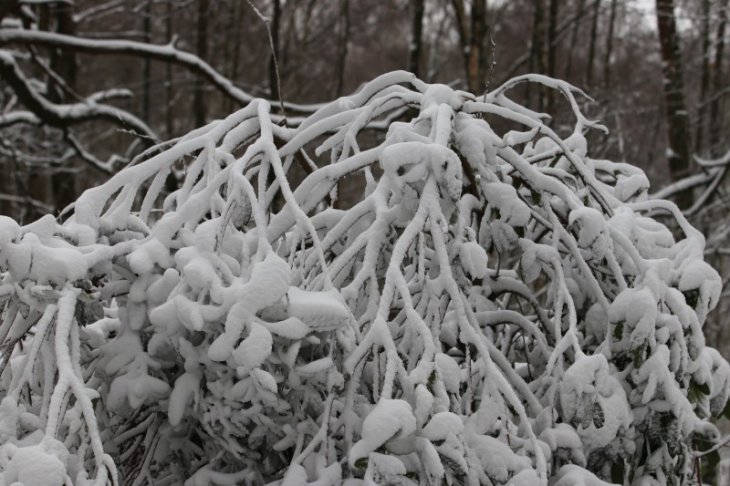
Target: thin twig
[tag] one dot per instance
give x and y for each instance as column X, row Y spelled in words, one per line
column 267, row 23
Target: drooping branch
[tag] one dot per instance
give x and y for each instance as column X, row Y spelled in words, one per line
column 63, row 115
column 166, row 53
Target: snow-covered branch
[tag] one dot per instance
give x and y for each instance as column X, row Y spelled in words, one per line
column 166, row 53
column 61, row 115
column 497, row 308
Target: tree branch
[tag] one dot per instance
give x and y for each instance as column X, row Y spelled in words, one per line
column 63, row 115
column 165, row 53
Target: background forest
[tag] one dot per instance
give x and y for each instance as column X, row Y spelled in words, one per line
column 657, row 73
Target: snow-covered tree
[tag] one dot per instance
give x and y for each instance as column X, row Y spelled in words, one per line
column 498, row 308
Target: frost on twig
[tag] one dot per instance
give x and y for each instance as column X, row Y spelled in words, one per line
column 498, row 308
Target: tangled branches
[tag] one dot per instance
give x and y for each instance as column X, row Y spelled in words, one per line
column 495, row 309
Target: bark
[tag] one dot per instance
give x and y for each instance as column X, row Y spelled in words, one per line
column 592, row 44
column 199, row 104
column 342, row 50
column 236, row 52
column 147, row 63
column 64, row 115
column 416, row 45
column 166, row 53
column 463, row 30
column 274, row 81
column 609, row 45
column 62, row 187
column 62, row 62
column 169, row 124
column 474, row 42
column 679, row 136
column 716, row 128
column 478, row 51
column 574, row 37
column 537, row 54
column 552, row 49
column 705, row 77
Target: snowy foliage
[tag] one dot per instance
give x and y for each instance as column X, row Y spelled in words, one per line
column 496, row 309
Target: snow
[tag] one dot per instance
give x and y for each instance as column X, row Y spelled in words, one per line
column 474, row 259
column 450, row 372
column 37, row 465
column 388, row 420
column 186, row 386
column 254, row 349
column 441, row 425
column 497, row 309
column 319, row 311
column 512, row 209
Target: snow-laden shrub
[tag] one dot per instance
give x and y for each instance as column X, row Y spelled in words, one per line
column 496, row 309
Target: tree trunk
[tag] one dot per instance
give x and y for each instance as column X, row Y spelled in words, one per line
column 147, row 63
column 705, row 77
column 679, row 137
column 574, row 37
column 273, row 76
column 463, row 31
column 415, row 47
column 716, row 122
column 478, row 54
column 199, row 103
column 169, row 125
column 236, row 54
column 609, row 45
column 343, row 46
column 592, row 44
column 537, row 57
column 552, row 49
column 473, row 40
column 62, row 185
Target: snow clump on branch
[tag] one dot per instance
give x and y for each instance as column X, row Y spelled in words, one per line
column 498, row 308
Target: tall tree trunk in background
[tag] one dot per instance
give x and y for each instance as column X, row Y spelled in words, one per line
column 552, row 50
column 146, row 63
column 199, row 103
column 592, row 44
column 574, row 37
column 415, row 47
column 478, row 52
column 463, row 30
column 343, row 44
column 705, row 78
column 473, row 40
column 169, row 125
column 609, row 45
column 679, row 136
column 274, row 26
column 537, row 57
column 716, row 121
column 63, row 182
column 238, row 11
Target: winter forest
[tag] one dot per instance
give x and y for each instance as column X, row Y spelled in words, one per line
column 364, row 242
